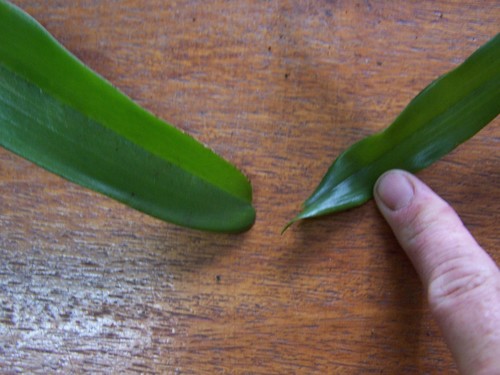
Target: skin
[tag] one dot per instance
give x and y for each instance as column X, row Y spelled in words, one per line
column 461, row 280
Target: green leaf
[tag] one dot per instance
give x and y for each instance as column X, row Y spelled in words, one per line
column 62, row 116
column 446, row 113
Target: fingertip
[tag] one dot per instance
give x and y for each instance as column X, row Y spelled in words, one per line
column 425, row 225
column 394, row 190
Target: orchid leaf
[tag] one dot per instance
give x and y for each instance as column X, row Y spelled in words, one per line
column 445, row 114
column 59, row 114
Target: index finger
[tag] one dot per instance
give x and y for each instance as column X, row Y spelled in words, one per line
column 461, row 280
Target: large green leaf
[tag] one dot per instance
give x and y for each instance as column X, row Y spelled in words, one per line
column 446, row 113
column 62, row 116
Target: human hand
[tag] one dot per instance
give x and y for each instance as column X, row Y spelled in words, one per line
column 462, row 282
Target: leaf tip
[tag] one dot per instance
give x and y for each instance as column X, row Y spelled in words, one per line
column 288, row 225
column 291, row 222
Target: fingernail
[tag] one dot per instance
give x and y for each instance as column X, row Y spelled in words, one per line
column 395, row 190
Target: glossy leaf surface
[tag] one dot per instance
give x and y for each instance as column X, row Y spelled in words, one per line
column 446, row 113
column 62, row 116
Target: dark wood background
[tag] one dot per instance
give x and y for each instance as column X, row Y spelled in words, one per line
column 279, row 88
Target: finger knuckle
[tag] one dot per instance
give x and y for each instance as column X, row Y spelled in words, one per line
column 426, row 226
column 456, row 283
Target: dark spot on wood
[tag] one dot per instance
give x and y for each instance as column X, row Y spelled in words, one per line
column 287, row 75
column 217, row 278
column 194, row 19
column 269, row 48
column 379, row 63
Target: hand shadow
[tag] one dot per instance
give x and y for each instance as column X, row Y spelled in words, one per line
column 373, row 282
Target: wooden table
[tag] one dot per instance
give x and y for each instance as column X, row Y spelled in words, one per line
column 279, row 88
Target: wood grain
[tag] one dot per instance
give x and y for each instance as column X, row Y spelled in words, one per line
column 279, row 88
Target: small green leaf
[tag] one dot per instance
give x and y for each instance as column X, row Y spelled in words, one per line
column 445, row 114
column 62, row 116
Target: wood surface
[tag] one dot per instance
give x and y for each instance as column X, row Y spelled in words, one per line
column 279, row 88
